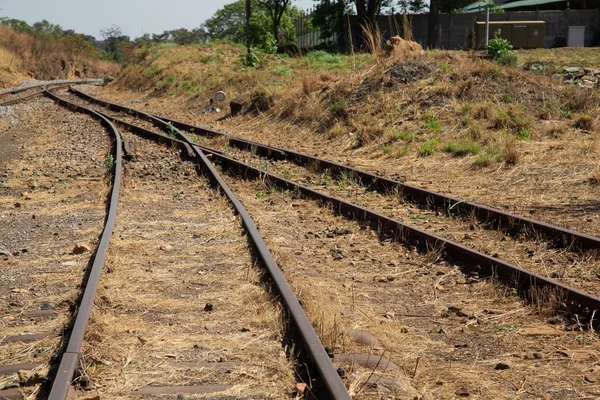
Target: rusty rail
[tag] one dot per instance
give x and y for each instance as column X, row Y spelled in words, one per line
column 70, row 359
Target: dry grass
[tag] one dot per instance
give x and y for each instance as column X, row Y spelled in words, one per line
column 152, row 311
column 58, row 211
column 48, row 59
column 408, row 313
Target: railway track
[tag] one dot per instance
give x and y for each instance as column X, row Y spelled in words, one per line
column 547, row 296
column 488, row 240
column 41, row 278
column 263, row 331
column 371, row 298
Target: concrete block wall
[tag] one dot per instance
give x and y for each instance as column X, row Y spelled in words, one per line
column 456, row 30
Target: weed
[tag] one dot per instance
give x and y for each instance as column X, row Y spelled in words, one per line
column 282, row 70
column 428, row 148
column 402, row 151
column 387, row 149
column 489, row 156
column 405, row 136
column 501, row 50
column 445, row 68
column 347, row 178
column 286, row 174
column 337, row 130
column 509, row 58
column 511, row 118
column 462, row 147
column 339, row 108
column 523, row 134
column 172, row 131
column 595, row 178
column 325, row 178
column 503, row 328
column 510, row 152
column 207, row 59
column 432, row 123
column 110, row 163
column 465, row 109
column 505, row 98
column 260, row 195
column 497, row 71
column 251, row 59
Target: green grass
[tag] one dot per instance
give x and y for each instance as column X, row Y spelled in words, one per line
column 462, row 147
column 387, row 149
column 428, row 148
column 322, row 57
column 282, row 70
column 432, row 123
column 405, row 136
column 490, row 156
column 523, row 134
column 505, row 98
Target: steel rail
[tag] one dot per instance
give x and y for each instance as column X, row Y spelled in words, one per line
column 487, row 265
column 15, row 90
column 491, row 266
column 315, row 350
column 21, row 99
column 61, row 385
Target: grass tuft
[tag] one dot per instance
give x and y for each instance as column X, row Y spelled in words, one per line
column 462, row 147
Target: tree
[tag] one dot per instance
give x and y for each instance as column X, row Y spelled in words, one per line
column 229, row 23
column 114, row 41
column 47, row 30
column 276, row 9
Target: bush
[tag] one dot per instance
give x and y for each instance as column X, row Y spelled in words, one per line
column 501, row 50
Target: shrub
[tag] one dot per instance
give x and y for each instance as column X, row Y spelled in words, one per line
column 501, row 50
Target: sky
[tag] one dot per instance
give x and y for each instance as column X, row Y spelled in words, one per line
column 134, row 17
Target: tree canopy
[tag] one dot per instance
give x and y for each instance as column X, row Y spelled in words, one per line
column 228, row 23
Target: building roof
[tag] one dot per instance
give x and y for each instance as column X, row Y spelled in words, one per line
column 479, row 6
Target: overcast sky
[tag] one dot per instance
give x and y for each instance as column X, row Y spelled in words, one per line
column 134, row 17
